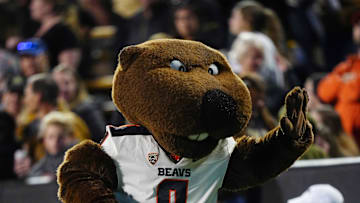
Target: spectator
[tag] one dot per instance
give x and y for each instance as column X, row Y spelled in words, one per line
column 41, row 94
column 268, row 58
column 186, row 21
column 73, row 91
column 198, row 20
column 341, row 87
column 16, row 22
column 323, row 193
column 154, row 17
column 251, row 16
column 33, row 57
column 56, row 135
column 60, row 40
column 11, row 101
column 11, row 104
column 261, row 120
column 8, row 66
column 41, row 98
column 334, row 17
column 98, row 14
column 330, row 134
column 307, row 32
column 248, row 55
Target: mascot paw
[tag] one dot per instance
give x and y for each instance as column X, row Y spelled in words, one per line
column 295, row 123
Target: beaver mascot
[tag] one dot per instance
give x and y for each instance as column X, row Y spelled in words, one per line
column 190, row 113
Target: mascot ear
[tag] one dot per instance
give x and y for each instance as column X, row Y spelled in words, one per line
column 128, row 55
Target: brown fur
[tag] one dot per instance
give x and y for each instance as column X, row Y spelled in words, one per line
column 170, row 104
column 87, row 174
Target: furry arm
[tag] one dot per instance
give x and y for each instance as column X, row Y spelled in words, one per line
column 254, row 161
column 87, row 174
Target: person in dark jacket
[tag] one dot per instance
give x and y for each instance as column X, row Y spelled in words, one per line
column 61, row 42
column 7, row 145
column 76, row 96
column 151, row 19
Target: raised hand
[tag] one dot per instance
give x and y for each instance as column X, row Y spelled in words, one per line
column 256, row 160
column 295, row 124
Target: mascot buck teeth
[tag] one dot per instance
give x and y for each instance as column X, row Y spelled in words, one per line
column 190, row 112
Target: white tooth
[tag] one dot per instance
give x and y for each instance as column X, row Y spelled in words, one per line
column 198, row 137
column 202, row 136
column 193, row 137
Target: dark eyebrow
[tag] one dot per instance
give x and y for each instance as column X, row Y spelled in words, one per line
column 193, row 65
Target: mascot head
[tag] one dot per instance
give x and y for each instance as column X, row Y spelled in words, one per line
column 183, row 92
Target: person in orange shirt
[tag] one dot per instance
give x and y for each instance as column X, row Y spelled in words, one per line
column 341, row 87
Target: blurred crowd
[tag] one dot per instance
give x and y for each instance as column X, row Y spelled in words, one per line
column 57, row 58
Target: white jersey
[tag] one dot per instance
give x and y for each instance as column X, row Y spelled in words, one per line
column 147, row 174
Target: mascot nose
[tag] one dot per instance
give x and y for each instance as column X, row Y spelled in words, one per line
column 219, row 114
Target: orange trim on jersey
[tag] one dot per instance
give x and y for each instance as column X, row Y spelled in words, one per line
column 129, row 125
column 124, row 126
column 103, row 140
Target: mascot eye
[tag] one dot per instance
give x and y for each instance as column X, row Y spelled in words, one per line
column 177, row 65
column 213, row 69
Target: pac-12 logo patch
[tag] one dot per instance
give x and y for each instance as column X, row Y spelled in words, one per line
column 153, row 157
